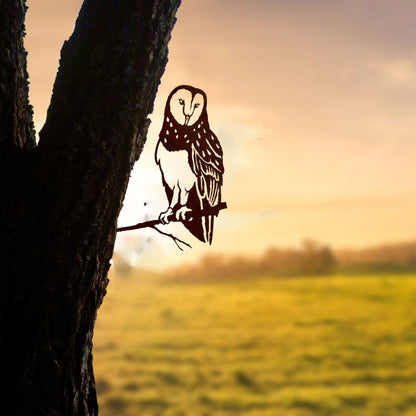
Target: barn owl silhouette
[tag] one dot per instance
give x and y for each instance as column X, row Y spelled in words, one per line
column 190, row 159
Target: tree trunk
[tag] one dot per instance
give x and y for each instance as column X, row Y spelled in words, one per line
column 59, row 201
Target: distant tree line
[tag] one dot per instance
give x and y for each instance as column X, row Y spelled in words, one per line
column 310, row 259
column 386, row 257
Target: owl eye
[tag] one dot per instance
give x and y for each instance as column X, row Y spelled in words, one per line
column 181, row 102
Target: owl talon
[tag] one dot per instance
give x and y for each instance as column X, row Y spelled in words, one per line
column 180, row 214
column 164, row 216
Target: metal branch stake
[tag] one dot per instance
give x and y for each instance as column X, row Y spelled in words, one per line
column 153, row 223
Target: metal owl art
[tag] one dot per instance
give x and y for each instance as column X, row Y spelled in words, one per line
column 186, row 140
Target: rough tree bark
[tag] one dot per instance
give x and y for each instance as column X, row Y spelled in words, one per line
column 59, row 201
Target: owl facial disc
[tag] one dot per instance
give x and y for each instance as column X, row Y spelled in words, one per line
column 185, row 107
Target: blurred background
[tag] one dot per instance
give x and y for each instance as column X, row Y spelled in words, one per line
column 304, row 303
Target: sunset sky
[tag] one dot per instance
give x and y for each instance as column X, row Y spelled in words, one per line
column 314, row 102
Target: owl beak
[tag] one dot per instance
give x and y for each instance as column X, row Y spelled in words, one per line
column 187, row 120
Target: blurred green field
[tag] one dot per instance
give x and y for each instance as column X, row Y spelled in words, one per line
column 340, row 345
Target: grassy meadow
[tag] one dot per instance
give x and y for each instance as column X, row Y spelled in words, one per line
column 339, row 345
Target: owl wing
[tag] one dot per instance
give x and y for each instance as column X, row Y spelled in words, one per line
column 207, row 165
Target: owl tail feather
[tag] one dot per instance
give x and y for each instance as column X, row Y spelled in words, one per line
column 201, row 227
column 208, row 227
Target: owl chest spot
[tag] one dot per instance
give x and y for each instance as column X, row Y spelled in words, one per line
column 175, row 168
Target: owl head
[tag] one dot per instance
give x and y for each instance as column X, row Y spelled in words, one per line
column 186, row 105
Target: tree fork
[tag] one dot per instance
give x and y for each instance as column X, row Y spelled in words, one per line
column 60, row 200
